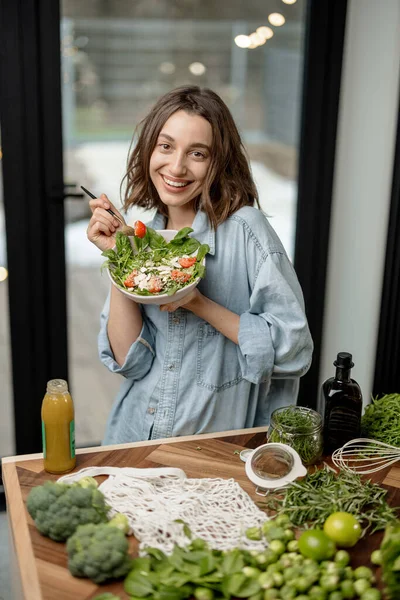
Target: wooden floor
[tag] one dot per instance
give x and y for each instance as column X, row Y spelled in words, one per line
column 93, row 386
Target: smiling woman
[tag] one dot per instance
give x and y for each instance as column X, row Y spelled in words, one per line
column 190, row 137
column 179, row 165
column 206, row 361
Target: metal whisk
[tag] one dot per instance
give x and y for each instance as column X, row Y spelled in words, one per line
column 365, row 456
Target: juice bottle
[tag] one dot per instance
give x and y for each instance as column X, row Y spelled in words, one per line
column 58, row 428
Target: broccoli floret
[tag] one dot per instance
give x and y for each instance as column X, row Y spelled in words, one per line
column 58, row 509
column 99, row 552
column 87, row 482
column 120, row 521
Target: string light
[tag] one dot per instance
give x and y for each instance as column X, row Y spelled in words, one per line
column 276, row 19
column 3, row 273
column 265, row 33
column 167, row 68
column 243, row 41
column 288, row 1
column 197, row 68
column 256, row 40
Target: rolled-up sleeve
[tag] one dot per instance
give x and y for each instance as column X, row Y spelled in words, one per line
column 140, row 356
column 274, row 338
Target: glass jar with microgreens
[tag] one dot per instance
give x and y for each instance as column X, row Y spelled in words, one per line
column 301, row 429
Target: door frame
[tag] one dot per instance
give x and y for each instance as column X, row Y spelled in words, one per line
column 324, row 45
column 31, row 128
column 30, row 113
column 387, row 360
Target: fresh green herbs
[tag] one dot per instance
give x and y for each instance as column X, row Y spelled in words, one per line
column 381, row 420
column 299, row 428
column 309, row 502
column 155, row 267
column 390, row 560
column 281, row 567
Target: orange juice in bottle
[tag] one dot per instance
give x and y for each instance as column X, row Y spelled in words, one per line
column 58, row 428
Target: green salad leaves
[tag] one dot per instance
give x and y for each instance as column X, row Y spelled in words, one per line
column 381, row 420
column 152, row 266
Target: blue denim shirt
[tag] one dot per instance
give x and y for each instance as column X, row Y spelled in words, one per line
column 182, row 376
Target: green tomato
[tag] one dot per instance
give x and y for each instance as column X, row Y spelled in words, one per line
column 317, row 593
column 283, row 521
column 257, row 596
column 251, row 572
column 275, row 568
column 361, row 585
column 266, row 580
column 315, row 544
column 343, row 528
column 286, row 560
column 278, row 579
column 202, row 593
column 335, row 596
column 266, row 558
column 291, row 573
column 371, row 594
column 347, row 589
column 288, row 592
column 302, row 583
column 293, row 546
column 348, row 573
column 289, row 535
column 271, row 594
column 277, row 546
column 329, row 582
column 254, row 533
column 267, row 525
column 376, row 557
column 302, row 597
column 342, row 558
column 312, row 573
column 363, row 573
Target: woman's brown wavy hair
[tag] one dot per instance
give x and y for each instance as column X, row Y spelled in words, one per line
column 228, row 185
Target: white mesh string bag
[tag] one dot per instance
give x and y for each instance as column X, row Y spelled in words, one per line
column 216, row 510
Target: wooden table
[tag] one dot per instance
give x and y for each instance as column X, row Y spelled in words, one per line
column 40, row 565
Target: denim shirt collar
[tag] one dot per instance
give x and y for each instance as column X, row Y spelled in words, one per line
column 202, row 229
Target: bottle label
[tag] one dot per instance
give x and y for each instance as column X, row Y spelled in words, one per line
column 44, row 439
column 72, row 438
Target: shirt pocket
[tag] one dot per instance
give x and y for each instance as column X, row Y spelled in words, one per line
column 217, row 360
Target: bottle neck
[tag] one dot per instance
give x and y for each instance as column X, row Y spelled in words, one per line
column 342, row 374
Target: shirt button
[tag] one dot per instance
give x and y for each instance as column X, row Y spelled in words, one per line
column 171, row 367
column 176, row 321
column 151, row 411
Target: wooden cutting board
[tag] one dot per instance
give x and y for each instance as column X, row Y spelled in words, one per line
column 41, row 571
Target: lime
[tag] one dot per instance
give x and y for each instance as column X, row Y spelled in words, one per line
column 343, row 528
column 315, row 544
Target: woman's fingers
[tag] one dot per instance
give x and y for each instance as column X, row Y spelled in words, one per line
column 102, row 215
column 101, row 229
column 104, row 203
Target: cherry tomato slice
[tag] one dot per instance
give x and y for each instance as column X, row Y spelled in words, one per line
column 187, row 262
column 155, row 285
column 129, row 281
column 140, row 229
column 180, row 276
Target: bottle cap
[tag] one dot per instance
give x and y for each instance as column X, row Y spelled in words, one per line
column 57, row 386
column 344, row 360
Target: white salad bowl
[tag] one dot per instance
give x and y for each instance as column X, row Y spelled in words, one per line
column 168, row 235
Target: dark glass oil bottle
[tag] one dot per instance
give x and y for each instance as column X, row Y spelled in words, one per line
column 341, row 405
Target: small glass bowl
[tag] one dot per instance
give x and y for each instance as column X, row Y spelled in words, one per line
column 305, row 437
